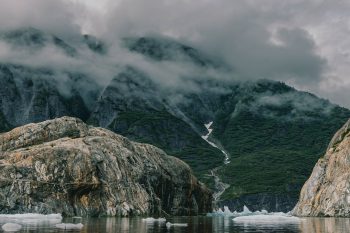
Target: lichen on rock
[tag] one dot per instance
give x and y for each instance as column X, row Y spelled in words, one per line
column 327, row 191
column 65, row 166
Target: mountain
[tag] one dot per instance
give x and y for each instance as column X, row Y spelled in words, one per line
column 65, row 166
column 326, row 192
column 265, row 136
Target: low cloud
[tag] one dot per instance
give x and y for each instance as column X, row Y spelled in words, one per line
column 271, row 40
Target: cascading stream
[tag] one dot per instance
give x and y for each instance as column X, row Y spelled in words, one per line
column 220, row 186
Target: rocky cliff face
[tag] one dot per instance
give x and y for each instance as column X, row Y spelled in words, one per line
column 327, row 191
column 66, row 166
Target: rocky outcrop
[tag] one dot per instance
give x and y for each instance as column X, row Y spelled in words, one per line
column 327, row 191
column 65, row 166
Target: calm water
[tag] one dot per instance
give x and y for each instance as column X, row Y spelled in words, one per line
column 195, row 224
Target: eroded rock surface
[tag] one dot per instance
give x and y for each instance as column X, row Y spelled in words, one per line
column 65, row 166
column 327, row 191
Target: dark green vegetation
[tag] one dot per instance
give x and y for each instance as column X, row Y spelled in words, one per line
column 4, row 126
column 275, row 156
column 170, row 133
column 274, row 133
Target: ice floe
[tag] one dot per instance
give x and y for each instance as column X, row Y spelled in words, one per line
column 256, row 217
column 227, row 213
column 272, row 218
column 11, row 227
column 31, row 218
column 153, row 220
column 169, row 225
column 69, row 226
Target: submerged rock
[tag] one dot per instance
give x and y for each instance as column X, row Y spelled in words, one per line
column 65, row 166
column 327, row 191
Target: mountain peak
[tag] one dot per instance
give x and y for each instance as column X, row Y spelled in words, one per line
column 35, row 39
column 166, row 49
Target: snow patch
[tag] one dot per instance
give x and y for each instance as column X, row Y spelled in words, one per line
column 206, row 138
column 208, row 125
column 219, row 185
column 11, row 227
column 69, row 226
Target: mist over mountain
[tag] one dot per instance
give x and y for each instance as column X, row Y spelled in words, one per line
column 161, row 91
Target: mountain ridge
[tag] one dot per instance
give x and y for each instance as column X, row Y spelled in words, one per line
column 266, row 127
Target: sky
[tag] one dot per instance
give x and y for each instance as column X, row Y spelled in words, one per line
column 302, row 43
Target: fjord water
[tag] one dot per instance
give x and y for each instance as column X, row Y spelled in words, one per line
column 200, row 224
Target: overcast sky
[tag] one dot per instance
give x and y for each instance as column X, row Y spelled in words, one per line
column 301, row 42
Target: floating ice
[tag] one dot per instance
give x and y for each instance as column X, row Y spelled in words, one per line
column 273, row 219
column 31, row 218
column 257, row 217
column 168, row 224
column 227, row 213
column 69, row 226
column 220, row 212
column 11, row 227
column 152, row 220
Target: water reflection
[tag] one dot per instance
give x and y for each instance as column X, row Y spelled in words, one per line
column 200, row 224
column 325, row 225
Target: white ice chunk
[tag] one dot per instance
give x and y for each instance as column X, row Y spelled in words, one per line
column 31, row 218
column 227, row 213
column 11, row 227
column 168, row 224
column 273, row 219
column 256, row 217
column 152, row 220
column 69, row 226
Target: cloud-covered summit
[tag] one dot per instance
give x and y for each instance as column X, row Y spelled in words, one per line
column 301, row 43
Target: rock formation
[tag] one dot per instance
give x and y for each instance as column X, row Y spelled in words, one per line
column 327, row 191
column 65, row 166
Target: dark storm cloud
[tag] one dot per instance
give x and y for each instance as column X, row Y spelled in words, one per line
column 52, row 16
column 239, row 31
column 290, row 40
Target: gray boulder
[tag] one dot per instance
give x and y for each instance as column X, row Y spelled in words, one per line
column 65, row 166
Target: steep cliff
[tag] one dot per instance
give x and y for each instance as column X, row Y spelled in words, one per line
column 327, row 191
column 66, row 166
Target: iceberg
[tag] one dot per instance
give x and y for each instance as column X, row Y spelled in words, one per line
column 227, row 213
column 11, row 227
